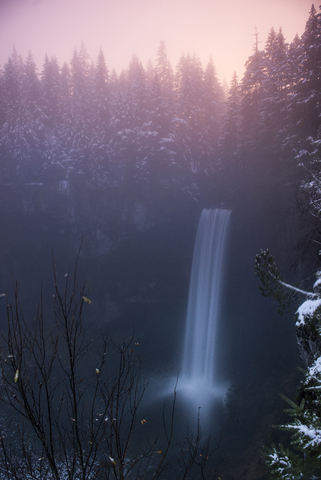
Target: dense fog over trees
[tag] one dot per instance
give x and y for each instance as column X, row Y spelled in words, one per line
column 158, row 126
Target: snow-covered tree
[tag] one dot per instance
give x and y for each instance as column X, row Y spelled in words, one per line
column 11, row 94
column 302, row 460
column 81, row 108
column 29, row 125
column 129, row 113
column 189, row 88
column 51, row 118
column 308, row 89
column 65, row 127
column 101, row 94
column 164, row 70
column 101, row 117
column 213, row 110
column 22, row 126
column 274, row 101
column 2, row 104
column 291, row 137
column 230, row 140
column 50, row 92
column 137, row 93
column 161, row 103
column 251, row 100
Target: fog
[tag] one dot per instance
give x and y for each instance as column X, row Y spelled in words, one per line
column 223, row 30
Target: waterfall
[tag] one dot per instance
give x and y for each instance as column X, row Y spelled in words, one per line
column 197, row 378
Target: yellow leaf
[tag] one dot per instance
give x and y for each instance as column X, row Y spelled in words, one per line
column 87, row 300
column 97, row 371
column 159, row 451
column 143, row 421
column 16, row 377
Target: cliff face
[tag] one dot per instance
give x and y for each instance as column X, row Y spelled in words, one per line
column 135, row 249
column 135, row 258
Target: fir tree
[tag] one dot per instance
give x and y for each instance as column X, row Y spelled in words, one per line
column 274, row 106
column 190, row 111
column 291, row 137
column 230, row 140
column 302, row 459
column 251, row 101
column 100, row 137
column 81, row 108
column 213, row 111
column 11, row 85
column 52, row 118
column 66, row 125
column 308, row 89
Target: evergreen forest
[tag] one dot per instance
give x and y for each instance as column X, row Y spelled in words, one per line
column 111, row 171
column 159, row 129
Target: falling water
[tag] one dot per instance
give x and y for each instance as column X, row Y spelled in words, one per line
column 197, row 379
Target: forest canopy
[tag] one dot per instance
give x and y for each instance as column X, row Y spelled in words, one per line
column 159, row 126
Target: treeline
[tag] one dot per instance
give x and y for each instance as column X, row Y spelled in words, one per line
column 156, row 127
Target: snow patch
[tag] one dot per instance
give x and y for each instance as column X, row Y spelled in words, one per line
column 317, row 283
column 307, row 309
column 314, row 434
column 314, row 371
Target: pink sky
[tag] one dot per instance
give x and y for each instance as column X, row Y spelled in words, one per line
column 221, row 29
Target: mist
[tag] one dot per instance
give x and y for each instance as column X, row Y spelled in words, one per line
column 104, row 178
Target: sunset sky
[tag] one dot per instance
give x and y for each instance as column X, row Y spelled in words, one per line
column 221, row 29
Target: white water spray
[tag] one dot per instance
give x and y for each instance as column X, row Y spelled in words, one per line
column 197, row 379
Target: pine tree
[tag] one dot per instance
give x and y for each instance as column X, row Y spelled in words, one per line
column 101, row 103
column 52, row 119
column 81, row 107
column 2, row 101
column 291, row 140
column 157, row 142
column 164, row 72
column 66, row 126
column 137, row 93
column 149, row 74
column 189, row 87
column 50, row 92
column 303, row 458
column 308, row 89
column 29, row 125
column 11, row 84
column 128, row 115
column 162, row 95
column 230, row 140
column 274, row 101
column 101, row 94
column 251, row 102
column 213, row 111
column 21, row 129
